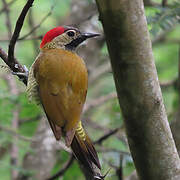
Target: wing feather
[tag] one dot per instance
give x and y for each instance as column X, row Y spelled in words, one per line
column 62, row 82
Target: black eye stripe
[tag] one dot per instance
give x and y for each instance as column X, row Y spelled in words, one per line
column 70, row 33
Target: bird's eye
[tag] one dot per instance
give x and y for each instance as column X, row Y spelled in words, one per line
column 70, row 33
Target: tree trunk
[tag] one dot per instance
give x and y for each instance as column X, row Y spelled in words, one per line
column 149, row 136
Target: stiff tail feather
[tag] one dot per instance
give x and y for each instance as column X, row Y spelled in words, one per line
column 84, row 150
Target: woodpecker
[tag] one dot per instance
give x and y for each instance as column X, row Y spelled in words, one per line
column 58, row 80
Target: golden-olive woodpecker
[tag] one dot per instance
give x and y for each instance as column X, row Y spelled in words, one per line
column 58, row 79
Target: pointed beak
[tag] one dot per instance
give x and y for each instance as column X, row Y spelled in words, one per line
column 89, row 35
column 82, row 37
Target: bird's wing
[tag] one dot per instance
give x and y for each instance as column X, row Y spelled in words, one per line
column 32, row 87
column 62, row 89
column 51, row 106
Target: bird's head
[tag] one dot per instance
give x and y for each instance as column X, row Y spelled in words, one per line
column 64, row 37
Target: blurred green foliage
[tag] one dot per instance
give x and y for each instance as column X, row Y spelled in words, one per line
column 107, row 115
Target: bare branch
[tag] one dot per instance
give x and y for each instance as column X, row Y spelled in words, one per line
column 167, row 84
column 9, row 59
column 15, row 66
column 150, row 3
column 162, row 36
column 3, row 55
column 8, row 22
column 99, row 101
column 106, row 136
column 119, row 170
column 63, row 169
column 98, row 72
column 14, row 133
column 107, row 150
column 27, row 120
column 8, row 4
column 68, row 164
column 31, row 24
column 28, row 39
column 37, row 26
column 17, row 30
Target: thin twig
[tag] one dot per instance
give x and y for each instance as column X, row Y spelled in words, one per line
column 100, row 71
column 8, row 22
column 3, row 55
column 63, row 169
column 37, row 26
column 29, row 120
column 14, row 133
column 108, row 150
column 106, row 130
column 99, row 101
column 15, row 66
column 162, row 36
column 9, row 59
column 168, row 84
column 67, row 165
column 17, row 30
column 106, row 136
column 149, row 3
column 119, row 170
column 28, row 39
column 8, row 4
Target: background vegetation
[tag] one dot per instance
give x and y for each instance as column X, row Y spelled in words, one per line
column 23, row 132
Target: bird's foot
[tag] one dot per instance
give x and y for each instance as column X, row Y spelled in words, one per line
column 24, row 75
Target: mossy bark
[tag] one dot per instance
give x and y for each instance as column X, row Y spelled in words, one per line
column 149, row 136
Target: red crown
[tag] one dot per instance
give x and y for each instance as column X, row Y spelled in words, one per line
column 51, row 34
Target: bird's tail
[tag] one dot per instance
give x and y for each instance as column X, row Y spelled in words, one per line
column 84, row 150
